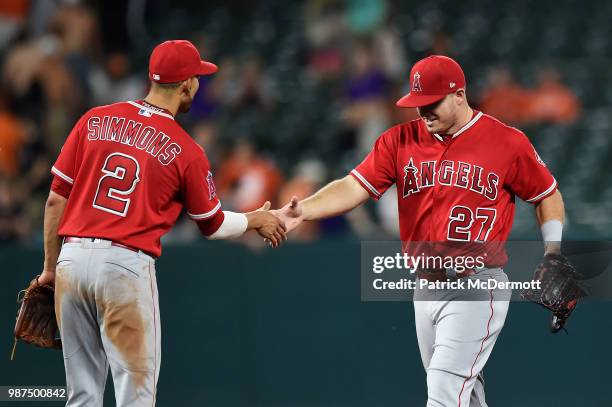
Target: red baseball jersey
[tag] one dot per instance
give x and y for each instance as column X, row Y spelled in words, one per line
column 459, row 188
column 128, row 169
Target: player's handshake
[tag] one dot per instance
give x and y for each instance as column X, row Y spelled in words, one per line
column 269, row 226
column 292, row 214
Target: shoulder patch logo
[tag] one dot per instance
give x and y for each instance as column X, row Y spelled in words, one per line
column 416, row 82
column 212, row 190
column 537, row 156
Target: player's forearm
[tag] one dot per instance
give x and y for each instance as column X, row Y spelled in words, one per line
column 551, row 208
column 334, row 199
column 54, row 209
column 550, row 213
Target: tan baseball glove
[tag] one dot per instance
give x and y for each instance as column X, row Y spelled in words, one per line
column 36, row 323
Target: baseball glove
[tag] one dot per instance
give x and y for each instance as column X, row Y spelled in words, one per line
column 560, row 289
column 36, row 323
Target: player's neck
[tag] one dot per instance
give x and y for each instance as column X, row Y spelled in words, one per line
column 464, row 118
column 163, row 102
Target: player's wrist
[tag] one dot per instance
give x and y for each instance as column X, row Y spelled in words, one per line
column 307, row 212
column 552, row 232
column 48, row 269
column 233, row 225
column 254, row 220
column 552, row 248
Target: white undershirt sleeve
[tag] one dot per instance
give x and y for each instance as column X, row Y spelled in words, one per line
column 234, row 225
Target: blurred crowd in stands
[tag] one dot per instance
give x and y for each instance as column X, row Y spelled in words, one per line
column 59, row 58
column 549, row 102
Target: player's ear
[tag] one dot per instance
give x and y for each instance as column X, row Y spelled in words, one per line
column 191, row 84
column 460, row 96
column 195, row 83
column 186, row 86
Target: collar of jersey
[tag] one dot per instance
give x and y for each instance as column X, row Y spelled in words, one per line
column 141, row 104
column 464, row 128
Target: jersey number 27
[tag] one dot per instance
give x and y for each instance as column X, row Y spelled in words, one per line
column 119, row 179
column 463, row 218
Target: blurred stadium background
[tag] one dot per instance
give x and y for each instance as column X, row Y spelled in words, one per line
column 304, row 89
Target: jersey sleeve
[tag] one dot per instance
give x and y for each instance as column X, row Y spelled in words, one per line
column 376, row 173
column 61, row 187
column 66, row 165
column 529, row 178
column 199, row 192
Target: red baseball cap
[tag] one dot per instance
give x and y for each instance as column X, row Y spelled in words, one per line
column 176, row 61
column 431, row 79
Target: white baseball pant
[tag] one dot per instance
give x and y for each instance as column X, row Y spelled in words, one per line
column 456, row 338
column 108, row 313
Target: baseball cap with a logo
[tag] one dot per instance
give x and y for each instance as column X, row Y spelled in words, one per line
column 431, row 79
column 177, row 60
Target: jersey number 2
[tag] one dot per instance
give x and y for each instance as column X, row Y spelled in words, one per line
column 120, row 177
column 461, row 220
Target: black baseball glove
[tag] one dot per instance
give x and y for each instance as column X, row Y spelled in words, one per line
column 559, row 290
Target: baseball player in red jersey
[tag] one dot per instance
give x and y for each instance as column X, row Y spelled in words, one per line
column 125, row 173
column 457, row 172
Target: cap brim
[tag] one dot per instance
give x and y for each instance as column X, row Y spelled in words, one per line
column 207, row 68
column 412, row 100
